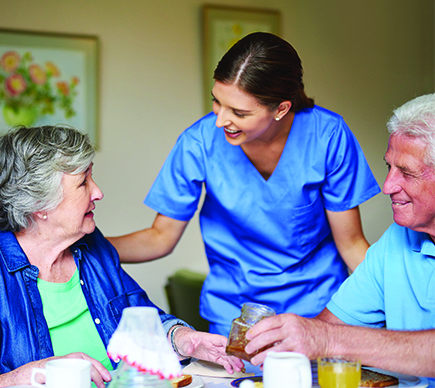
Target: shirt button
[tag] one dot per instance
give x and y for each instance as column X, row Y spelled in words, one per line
column 97, row 321
column 82, row 282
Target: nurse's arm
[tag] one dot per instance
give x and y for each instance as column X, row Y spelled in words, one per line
column 348, row 236
column 151, row 243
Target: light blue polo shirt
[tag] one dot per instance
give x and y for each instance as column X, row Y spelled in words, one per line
column 394, row 287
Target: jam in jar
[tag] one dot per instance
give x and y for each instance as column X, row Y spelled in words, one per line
column 251, row 314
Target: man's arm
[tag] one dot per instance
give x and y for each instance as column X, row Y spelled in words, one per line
column 410, row 352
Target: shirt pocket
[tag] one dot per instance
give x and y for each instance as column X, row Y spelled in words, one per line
column 311, row 225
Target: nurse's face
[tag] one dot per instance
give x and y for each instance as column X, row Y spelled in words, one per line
column 241, row 116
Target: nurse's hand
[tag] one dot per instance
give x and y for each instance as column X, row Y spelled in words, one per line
column 287, row 332
column 206, row 346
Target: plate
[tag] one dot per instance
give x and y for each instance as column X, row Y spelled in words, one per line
column 196, row 382
column 236, row 382
column 405, row 381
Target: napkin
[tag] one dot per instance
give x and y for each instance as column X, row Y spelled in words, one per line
column 211, row 369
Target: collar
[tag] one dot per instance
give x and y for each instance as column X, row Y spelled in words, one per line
column 11, row 252
column 79, row 245
column 421, row 242
column 14, row 257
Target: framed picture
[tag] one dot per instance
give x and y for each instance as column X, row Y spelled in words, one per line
column 224, row 26
column 49, row 78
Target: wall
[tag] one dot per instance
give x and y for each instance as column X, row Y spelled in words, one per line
column 361, row 60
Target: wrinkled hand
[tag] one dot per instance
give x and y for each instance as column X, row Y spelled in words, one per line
column 99, row 374
column 206, row 346
column 21, row 375
column 288, row 332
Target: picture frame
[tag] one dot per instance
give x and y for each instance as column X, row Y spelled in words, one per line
column 222, row 27
column 49, row 78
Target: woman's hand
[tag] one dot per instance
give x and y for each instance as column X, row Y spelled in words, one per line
column 21, row 375
column 206, row 346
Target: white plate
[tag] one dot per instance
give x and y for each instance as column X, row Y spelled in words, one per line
column 196, row 382
column 405, row 380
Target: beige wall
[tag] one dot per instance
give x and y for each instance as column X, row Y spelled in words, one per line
column 361, row 59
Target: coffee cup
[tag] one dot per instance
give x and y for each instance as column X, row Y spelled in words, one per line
column 65, row 373
column 286, row 370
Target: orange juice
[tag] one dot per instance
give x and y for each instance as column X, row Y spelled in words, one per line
column 339, row 374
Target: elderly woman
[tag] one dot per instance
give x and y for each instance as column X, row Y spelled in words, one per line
column 62, row 289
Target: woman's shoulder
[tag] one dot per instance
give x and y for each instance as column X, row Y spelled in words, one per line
column 202, row 128
column 202, row 135
column 320, row 113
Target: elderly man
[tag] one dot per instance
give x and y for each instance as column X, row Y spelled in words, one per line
column 394, row 287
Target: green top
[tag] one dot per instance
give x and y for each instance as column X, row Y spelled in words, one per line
column 69, row 320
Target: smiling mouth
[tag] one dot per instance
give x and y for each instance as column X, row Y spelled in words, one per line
column 231, row 131
column 401, row 203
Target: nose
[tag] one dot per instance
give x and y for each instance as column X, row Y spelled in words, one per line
column 391, row 184
column 222, row 119
column 97, row 194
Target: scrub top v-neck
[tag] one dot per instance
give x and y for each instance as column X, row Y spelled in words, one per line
column 267, row 241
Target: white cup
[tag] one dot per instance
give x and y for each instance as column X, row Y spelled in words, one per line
column 64, row 373
column 286, row 370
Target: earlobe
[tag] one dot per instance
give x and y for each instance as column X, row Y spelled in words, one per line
column 41, row 215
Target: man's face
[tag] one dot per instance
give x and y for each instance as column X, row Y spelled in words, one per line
column 410, row 183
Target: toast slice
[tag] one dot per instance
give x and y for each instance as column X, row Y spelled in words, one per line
column 181, row 381
column 370, row 378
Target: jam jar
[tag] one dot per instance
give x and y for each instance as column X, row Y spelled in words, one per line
column 250, row 315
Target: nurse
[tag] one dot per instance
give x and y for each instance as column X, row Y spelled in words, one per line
column 283, row 179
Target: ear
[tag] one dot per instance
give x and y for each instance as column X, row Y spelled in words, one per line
column 41, row 215
column 282, row 109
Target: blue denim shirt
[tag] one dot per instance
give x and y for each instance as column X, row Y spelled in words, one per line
column 108, row 289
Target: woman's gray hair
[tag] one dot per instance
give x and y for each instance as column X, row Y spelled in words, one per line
column 32, row 163
column 417, row 118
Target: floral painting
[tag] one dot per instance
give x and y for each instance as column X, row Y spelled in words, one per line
column 48, row 79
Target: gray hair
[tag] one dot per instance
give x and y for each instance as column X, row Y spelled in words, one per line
column 417, row 118
column 32, row 163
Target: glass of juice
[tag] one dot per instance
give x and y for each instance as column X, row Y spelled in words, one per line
column 338, row 372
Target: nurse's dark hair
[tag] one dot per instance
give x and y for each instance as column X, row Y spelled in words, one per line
column 266, row 67
column 32, row 163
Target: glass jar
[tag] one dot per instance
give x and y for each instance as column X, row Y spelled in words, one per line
column 127, row 376
column 250, row 315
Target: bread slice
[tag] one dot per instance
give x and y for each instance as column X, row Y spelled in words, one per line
column 370, row 378
column 181, row 381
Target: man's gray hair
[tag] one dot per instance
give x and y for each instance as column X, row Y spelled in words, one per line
column 417, row 118
column 32, row 163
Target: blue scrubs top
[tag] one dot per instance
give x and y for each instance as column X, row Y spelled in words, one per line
column 266, row 241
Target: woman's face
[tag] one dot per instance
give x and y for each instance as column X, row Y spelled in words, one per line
column 73, row 217
column 241, row 116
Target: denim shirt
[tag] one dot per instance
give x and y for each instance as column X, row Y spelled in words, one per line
column 108, row 289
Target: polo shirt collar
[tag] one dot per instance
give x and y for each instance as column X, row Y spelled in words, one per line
column 421, row 242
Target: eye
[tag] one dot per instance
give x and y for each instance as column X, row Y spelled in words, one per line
column 238, row 114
